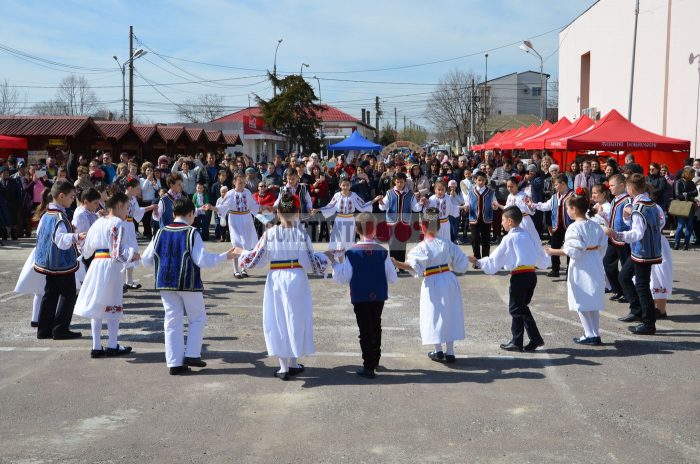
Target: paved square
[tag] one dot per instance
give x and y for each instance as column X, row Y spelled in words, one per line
column 635, row 399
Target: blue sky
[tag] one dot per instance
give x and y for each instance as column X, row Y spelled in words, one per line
column 339, row 40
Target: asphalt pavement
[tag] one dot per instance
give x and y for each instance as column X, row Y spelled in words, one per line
column 636, row 399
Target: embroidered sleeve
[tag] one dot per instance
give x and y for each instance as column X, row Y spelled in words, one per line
column 316, row 263
column 332, row 207
column 253, row 205
column 360, row 204
column 119, row 250
column 258, row 256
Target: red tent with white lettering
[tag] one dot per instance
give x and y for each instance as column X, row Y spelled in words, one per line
column 13, row 143
column 615, row 132
column 537, row 142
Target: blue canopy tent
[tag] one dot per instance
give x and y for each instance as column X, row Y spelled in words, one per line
column 355, row 142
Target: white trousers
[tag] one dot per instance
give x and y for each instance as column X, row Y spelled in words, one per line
column 176, row 305
column 591, row 323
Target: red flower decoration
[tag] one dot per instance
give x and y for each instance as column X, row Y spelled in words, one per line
column 580, row 191
column 297, row 202
column 606, row 186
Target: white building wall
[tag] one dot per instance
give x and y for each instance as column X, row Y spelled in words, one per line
column 606, row 31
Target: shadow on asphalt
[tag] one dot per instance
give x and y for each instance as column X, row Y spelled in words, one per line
column 693, row 296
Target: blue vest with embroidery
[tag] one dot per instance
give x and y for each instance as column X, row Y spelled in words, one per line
column 480, row 206
column 48, row 258
column 368, row 282
column 399, row 208
column 174, row 268
column 559, row 209
column 648, row 249
column 616, row 221
column 167, row 217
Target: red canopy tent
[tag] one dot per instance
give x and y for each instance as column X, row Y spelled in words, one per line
column 510, row 143
column 490, row 144
column 615, row 132
column 558, row 141
column 519, row 143
column 511, row 135
column 13, row 143
column 537, row 142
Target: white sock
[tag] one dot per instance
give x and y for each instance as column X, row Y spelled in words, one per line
column 36, row 307
column 284, row 366
column 437, row 347
column 130, row 276
column 112, row 332
column 450, row 348
column 236, row 268
column 591, row 322
column 293, row 362
column 96, row 326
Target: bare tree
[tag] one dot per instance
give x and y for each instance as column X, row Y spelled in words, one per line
column 449, row 106
column 11, row 102
column 204, row 108
column 74, row 97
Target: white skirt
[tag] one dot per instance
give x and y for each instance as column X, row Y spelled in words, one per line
column 343, row 233
column 31, row 282
column 242, row 231
column 441, row 311
column 662, row 274
column 288, row 322
column 102, row 294
column 444, row 230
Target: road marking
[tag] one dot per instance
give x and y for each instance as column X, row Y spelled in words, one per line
column 147, row 275
column 5, row 272
column 2, row 295
column 10, row 298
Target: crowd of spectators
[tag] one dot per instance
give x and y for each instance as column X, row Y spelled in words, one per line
column 211, row 174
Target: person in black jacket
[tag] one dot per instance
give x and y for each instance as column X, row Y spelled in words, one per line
column 684, row 189
column 535, row 179
column 657, row 184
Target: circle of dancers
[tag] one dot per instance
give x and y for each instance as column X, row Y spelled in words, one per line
column 611, row 237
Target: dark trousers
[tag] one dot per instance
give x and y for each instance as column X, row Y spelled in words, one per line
column 613, row 255
column 55, row 315
column 522, row 287
column 369, row 320
column 397, row 247
column 204, row 222
column 481, row 239
column 146, row 221
column 454, row 228
column 496, row 223
column 638, row 292
column 538, row 219
column 556, row 243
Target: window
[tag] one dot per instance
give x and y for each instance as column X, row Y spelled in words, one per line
column 536, row 91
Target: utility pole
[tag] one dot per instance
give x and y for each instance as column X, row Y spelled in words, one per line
column 472, row 110
column 131, row 74
column 396, row 124
column 634, row 51
column 376, row 118
column 483, row 105
column 404, row 123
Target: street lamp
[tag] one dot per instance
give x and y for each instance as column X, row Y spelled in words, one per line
column 691, row 59
column 527, row 48
column 320, row 102
column 122, row 67
column 274, row 67
column 301, row 68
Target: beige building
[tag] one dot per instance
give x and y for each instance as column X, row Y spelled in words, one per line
column 595, row 61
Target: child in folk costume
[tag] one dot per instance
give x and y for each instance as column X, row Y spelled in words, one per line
column 167, row 201
column 101, row 295
column 135, row 214
column 368, row 269
column 662, row 274
column 517, row 254
column 585, row 243
column 30, row 282
column 441, row 311
column 399, row 204
column 560, row 218
column 601, row 204
column 200, row 198
column 177, row 250
column 297, row 189
column 344, row 205
column 644, row 238
column 56, row 257
column 479, row 203
column 287, row 304
column 517, row 197
column 447, row 207
column 239, row 206
column 85, row 215
column 618, row 251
